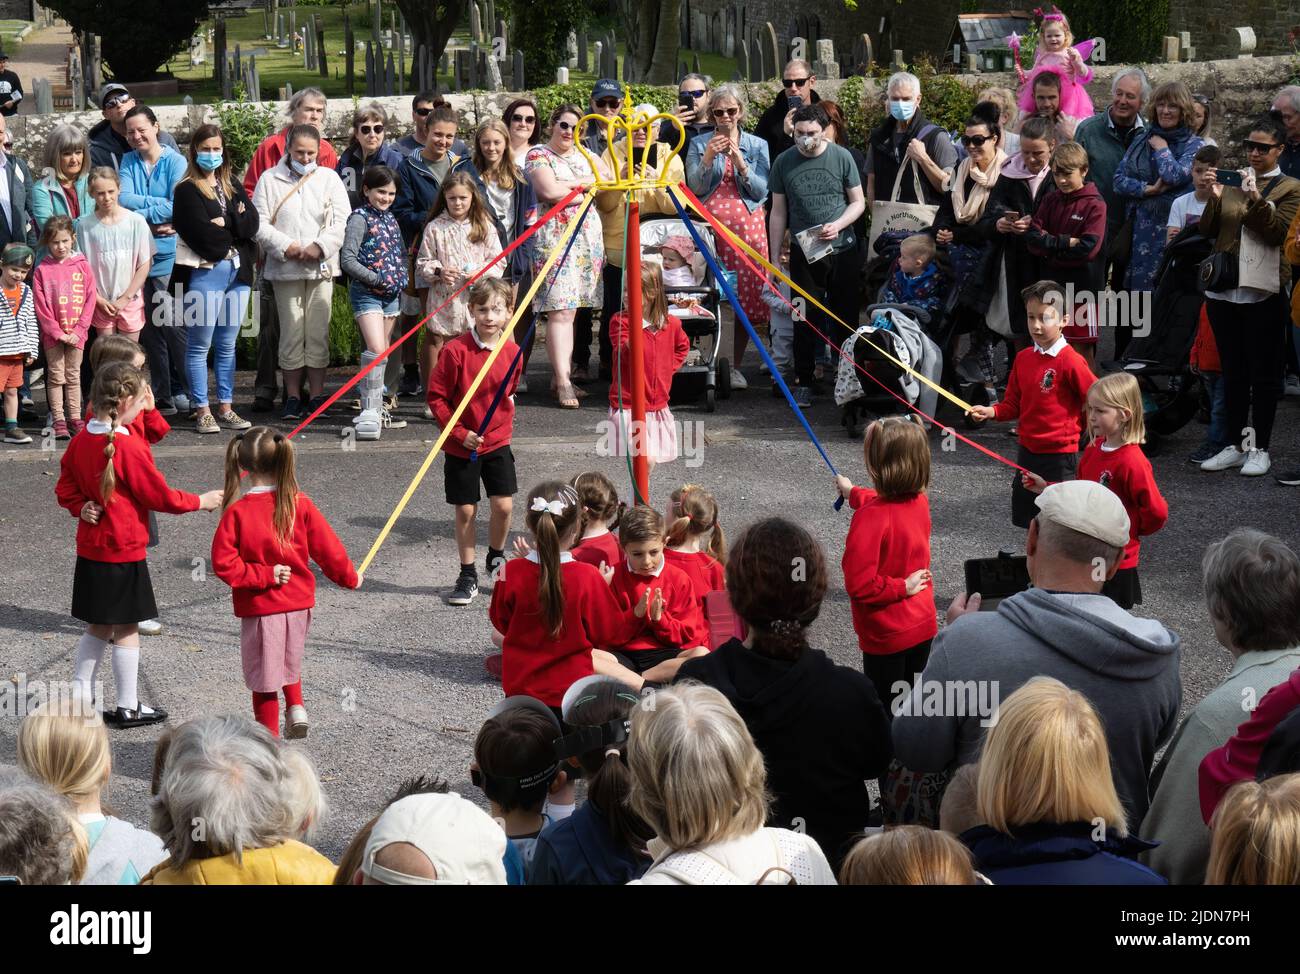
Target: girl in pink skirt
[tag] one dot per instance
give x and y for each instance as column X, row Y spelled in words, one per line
column 666, row 346
column 262, row 550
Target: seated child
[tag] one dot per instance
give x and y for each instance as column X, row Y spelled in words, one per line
column 914, row 277
column 601, row 510
column 696, row 543
column 677, row 252
column 909, row 855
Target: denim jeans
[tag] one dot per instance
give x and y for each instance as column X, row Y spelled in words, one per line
column 219, row 302
column 1218, row 432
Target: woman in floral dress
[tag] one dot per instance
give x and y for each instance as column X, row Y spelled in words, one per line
column 727, row 170
column 554, row 168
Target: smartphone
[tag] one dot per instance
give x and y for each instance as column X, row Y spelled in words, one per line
column 996, row 578
column 794, row 101
column 1228, row 177
column 685, row 100
column 1012, row 215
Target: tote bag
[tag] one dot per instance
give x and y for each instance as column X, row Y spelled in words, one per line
column 895, row 218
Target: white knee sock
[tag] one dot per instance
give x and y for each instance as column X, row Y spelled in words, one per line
column 126, row 667
column 90, row 651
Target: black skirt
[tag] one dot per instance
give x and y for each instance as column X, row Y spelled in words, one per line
column 108, row 593
column 1125, row 589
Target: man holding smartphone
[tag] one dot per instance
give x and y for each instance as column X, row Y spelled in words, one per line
column 798, row 85
column 691, row 110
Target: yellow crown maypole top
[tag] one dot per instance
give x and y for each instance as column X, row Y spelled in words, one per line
column 627, row 122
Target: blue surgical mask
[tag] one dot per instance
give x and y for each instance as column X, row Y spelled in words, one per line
column 902, row 110
column 208, row 161
column 301, row 168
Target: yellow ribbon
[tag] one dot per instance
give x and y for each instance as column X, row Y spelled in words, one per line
column 755, row 255
column 473, row 387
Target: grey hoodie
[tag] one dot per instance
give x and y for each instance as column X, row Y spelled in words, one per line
column 1126, row 666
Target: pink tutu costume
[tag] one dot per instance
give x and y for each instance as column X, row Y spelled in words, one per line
column 1076, row 103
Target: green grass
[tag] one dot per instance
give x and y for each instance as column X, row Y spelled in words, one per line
column 9, row 29
column 280, row 67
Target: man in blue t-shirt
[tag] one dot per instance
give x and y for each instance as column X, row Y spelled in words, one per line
column 816, row 186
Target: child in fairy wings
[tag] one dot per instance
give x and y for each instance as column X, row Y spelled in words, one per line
column 1057, row 53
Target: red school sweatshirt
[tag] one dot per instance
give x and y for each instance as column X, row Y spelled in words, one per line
column 458, row 363
column 123, row 529
column 665, row 348
column 148, row 424
column 602, row 548
column 1127, row 473
column 1046, row 394
column 889, row 539
column 1237, row 759
column 535, row 663
column 682, row 624
column 705, row 572
column 245, row 551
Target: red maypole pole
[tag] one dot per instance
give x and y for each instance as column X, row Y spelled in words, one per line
column 636, row 348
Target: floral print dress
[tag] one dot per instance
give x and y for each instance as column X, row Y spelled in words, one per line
column 576, row 282
column 1140, row 168
column 446, row 243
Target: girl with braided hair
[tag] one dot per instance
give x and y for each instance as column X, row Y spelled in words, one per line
column 109, row 482
column 263, row 550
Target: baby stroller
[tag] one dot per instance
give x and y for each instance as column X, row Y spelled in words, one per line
column 699, row 308
column 1171, row 391
column 899, row 330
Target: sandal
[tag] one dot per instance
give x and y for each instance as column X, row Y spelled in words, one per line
column 567, row 398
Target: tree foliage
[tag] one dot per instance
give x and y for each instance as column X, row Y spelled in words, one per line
column 432, row 23
column 134, row 44
column 541, row 31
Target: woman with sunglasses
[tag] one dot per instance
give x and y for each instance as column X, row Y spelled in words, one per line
column 521, row 121
column 1155, row 171
column 1250, row 323
column 554, row 169
column 367, row 148
column 727, row 169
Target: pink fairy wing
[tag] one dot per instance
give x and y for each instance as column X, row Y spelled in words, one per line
column 1085, row 48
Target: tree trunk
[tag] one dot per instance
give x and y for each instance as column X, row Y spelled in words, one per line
column 431, row 24
column 662, row 69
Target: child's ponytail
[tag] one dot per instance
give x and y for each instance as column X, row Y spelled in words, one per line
column 232, row 471
column 599, row 499
column 695, row 512
column 286, row 488
column 108, row 482
column 609, row 781
column 553, row 513
column 113, row 383
column 263, row 451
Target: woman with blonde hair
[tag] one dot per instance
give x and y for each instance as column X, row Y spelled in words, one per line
column 1047, row 799
column 699, row 782
column 910, row 855
column 1257, row 835
column 63, row 188
column 64, row 744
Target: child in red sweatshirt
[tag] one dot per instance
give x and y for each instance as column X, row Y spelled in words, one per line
column 551, row 611
column 263, row 550
column 601, row 510
column 697, row 545
column 665, row 347
column 1046, row 391
column 1067, row 232
column 887, row 557
column 472, row 456
column 108, row 480
column 1115, row 460
column 64, row 290
column 666, row 625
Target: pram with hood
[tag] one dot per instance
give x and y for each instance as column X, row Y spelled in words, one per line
column 899, row 330
column 1160, row 359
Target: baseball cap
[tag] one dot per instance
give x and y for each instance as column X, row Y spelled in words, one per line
column 462, row 841
column 606, row 88
column 1087, row 507
column 111, row 89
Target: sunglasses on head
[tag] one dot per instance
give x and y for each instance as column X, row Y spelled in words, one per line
column 371, row 129
column 608, row 102
column 793, row 82
column 975, row 140
column 1250, row 145
column 696, row 93
column 525, row 119
column 726, row 112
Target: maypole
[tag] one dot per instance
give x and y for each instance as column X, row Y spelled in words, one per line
column 632, row 182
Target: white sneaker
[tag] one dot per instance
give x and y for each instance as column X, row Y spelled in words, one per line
column 1291, row 388
column 1257, row 464
column 523, row 384
column 369, row 425
column 1225, row 459
column 295, row 722
column 738, row 380
column 150, row 627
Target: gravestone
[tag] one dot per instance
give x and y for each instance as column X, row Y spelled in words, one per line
column 239, row 63
column 561, row 75
column 252, row 80
column 494, row 82
column 571, row 50
column 293, row 30
column 464, row 70
column 517, row 72
column 1169, row 49
column 491, row 19
column 771, row 51
column 971, row 64
column 1241, row 42
column 376, row 23
column 390, row 76
column 898, row 63
column 475, row 22
column 582, row 51
column 599, row 56
column 370, row 69
column 282, row 29
column 321, row 54
column 863, row 55
column 627, row 70
column 825, row 66
column 756, row 72
column 401, row 67
column 219, row 54
column 349, row 57
column 44, row 96
column 729, row 35
column 198, row 50
column 503, row 33
column 695, row 66
column 1185, row 44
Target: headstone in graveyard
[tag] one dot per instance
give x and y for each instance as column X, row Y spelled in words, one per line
column 571, row 50
column 742, row 59
column 475, row 23
column 825, row 66
column 321, row 54
column 390, row 76
column 1185, row 45
column 582, row 51
column 494, row 82
column 561, row 75
column 370, row 69
column 1241, row 41
column 349, row 57
column 771, row 51
column 517, row 72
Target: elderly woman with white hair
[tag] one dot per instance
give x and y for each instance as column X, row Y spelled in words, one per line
column 63, row 189
column 231, row 808
column 908, row 136
column 41, row 841
column 698, row 780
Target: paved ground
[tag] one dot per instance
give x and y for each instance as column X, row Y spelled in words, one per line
column 394, row 679
column 44, row 54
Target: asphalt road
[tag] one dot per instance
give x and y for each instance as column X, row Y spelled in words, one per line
column 393, row 677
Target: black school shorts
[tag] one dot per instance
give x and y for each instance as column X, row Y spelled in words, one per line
column 496, row 470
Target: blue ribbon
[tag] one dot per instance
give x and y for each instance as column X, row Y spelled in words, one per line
column 758, row 342
column 505, row 383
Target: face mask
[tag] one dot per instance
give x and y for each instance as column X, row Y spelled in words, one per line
column 303, row 169
column 902, row 110
column 208, row 161
column 809, row 143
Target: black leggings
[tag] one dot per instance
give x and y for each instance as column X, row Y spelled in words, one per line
column 1251, row 340
column 885, row 671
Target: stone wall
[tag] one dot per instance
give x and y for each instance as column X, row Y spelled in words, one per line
column 1209, row 22
column 16, row 10
column 1240, row 90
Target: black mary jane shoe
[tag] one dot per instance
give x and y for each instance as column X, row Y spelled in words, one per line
column 121, row 718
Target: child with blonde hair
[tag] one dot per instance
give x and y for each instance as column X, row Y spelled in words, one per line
column 1256, row 839
column 909, row 855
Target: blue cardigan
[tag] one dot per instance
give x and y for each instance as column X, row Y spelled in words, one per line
column 150, row 195
column 48, row 199
column 703, row 183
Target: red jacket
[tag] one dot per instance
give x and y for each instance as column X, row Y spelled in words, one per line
column 1237, row 759
column 65, row 298
column 533, row 662
column 245, row 551
column 458, row 363
column 1047, row 395
column 682, row 624
column 148, row 424
column 271, row 151
column 889, row 538
column 705, row 572
column 665, row 351
column 1205, row 350
column 603, row 548
column 123, row 529
column 1061, row 216
column 1127, row 473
